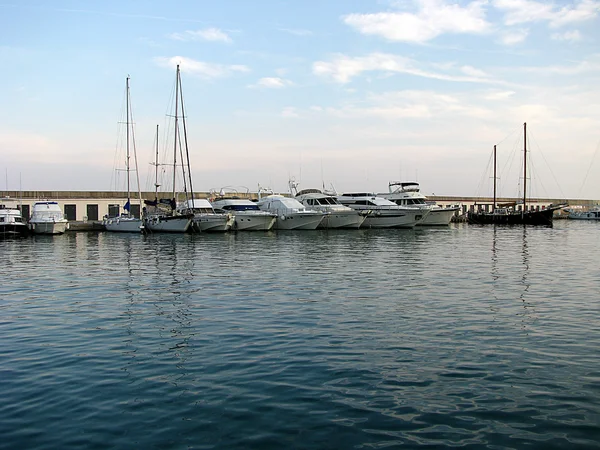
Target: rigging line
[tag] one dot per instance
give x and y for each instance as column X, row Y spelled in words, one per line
column 547, row 165
column 518, row 129
column 483, row 176
column 588, row 169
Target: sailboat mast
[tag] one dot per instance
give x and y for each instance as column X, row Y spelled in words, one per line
column 156, row 167
column 176, row 130
column 127, row 125
column 187, row 153
column 524, row 166
column 494, row 206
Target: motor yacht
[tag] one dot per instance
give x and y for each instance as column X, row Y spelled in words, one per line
column 382, row 213
column 247, row 216
column 336, row 214
column 291, row 214
column 11, row 219
column 48, row 218
column 409, row 194
column 205, row 219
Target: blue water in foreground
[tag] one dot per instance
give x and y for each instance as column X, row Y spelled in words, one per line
column 470, row 337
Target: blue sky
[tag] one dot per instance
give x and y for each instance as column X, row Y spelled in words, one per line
column 352, row 93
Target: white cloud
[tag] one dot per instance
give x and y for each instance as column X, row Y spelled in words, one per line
column 343, row 68
column 434, row 18
column 588, row 66
column 498, row 95
column 289, row 112
column 513, row 37
column 296, row 31
column 272, row 83
column 208, row 34
column 569, row 36
column 524, row 11
column 200, row 68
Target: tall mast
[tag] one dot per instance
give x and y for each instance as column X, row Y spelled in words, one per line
column 127, row 125
column 494, row 206
column 156, row 185
column 524, row 166
column 187, row 153
column 176, row 130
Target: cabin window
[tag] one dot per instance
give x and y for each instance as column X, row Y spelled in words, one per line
column 71, row 212
column 1, row 219
column 92, row 212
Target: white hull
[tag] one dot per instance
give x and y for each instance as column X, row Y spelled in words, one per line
column 49, row 227
column 392, row 219
column 342, row 220
column 439, row 216
column 253, row 222
column 168, row 224
column 589, row 215
column 212, row 222
column 298, row 221
column 124, row 224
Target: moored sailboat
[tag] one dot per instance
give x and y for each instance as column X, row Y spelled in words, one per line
column 509, row 214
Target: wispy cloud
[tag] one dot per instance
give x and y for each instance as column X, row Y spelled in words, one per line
column 296, row 31
column 289, row 112
column 569, row 36
column 207, row 34
column 433, row 18
column 524, row 11
column 343, row 68
column 201, row 68
column 272, row 83
column 513, row 37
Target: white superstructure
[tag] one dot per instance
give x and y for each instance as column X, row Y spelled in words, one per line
column 291, row 214
column 247, row 215
column 382, row 213
column 47, row 218
column 336, row 214
column 408, row 194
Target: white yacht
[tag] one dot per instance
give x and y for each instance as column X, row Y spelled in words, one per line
column 382, row 213
column 48, row 218
column 204, row 216
column 291, row 214
column 11, row 219
column 408, row 194
column 247, row 215
column 337, row 215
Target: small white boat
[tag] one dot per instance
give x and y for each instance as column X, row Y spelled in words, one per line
column 11, row 219
column 163, row 222
column 247, row 216
column 336, row 214
column 291, row 214
column 47, row 218
column 382, row 213
column 590, row 214
column 408, row 194
column 204, row 216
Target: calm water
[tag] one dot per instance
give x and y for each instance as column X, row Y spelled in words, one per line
column 471, row 337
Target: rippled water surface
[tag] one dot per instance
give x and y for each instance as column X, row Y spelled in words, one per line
column 471, row 337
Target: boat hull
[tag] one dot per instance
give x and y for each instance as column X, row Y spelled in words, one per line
column 439, row 217
column 385, row 219
column 212, row 223
column 542, row 217
column 13, row 230
column 59, row 227
column 342, row 220
column 254, row 222
column 298, row 221
column 124, row 225
column 168, row 224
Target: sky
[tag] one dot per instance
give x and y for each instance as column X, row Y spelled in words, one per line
column 350, row 94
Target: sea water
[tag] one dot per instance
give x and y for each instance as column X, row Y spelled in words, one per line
column 460, row 336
